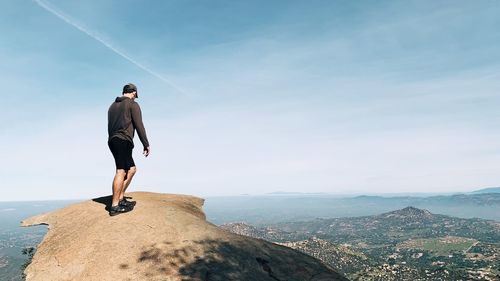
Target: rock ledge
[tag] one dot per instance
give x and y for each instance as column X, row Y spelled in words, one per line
column 166, row 237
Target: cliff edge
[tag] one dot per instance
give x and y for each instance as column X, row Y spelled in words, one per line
column 166, row 237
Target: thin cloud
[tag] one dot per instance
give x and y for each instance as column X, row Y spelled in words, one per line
column 70, row 21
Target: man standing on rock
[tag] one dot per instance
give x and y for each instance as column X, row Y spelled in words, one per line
column 124, row 117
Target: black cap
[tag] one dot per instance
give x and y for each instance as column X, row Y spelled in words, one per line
column 129, row 88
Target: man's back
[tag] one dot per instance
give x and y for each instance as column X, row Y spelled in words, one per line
column 124, row 115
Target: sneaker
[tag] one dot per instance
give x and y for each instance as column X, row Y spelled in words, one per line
column 125, row 203
column 115, row 210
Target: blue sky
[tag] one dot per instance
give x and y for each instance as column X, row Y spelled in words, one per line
column 252, row 96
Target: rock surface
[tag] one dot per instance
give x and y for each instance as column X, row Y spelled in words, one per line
column 166, row 237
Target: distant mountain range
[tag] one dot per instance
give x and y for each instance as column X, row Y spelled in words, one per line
column 477, row 198
column 403, row 194
column 488, row 190
column 405, row 244
column 279, row 208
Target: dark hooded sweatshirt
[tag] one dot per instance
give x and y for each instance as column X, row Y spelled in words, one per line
column 124, row 115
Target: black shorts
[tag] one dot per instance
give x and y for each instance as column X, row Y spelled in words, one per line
column 122, row 152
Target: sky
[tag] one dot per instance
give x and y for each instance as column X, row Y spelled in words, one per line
column 251, row 97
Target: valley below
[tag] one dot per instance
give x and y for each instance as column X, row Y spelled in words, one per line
column 405, row 244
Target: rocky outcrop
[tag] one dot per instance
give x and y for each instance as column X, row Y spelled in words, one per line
column 410, row 213
column 166, row 237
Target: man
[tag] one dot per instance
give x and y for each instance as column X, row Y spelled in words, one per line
column 124, row 117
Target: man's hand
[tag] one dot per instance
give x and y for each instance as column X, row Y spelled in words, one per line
column 146, row 151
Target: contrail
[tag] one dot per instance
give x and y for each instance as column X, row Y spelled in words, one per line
column 95, row 36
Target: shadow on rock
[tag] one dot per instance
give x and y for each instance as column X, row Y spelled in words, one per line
column 106, row 201
column 213, row 260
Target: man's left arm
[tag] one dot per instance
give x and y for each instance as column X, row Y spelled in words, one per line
column 139, row 126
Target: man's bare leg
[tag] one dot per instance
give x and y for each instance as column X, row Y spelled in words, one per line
column 130, row 175
column 118, row 186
